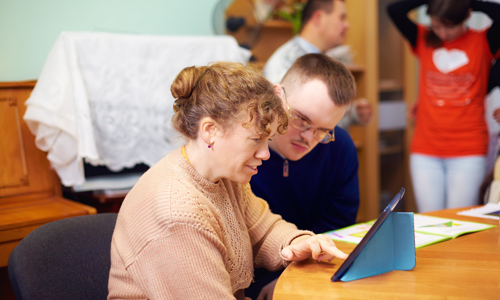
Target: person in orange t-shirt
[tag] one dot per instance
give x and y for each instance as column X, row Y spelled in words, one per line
column 450, row 143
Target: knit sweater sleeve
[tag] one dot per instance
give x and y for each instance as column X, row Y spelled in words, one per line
column 187, row 261
column 269, row 233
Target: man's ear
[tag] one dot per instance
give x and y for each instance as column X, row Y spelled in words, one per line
column 316, row 17
column 278, row 89
column 208, row 130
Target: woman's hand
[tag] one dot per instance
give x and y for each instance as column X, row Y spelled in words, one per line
column 320, row 247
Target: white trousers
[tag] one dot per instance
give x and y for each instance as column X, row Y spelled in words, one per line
column 441, row 183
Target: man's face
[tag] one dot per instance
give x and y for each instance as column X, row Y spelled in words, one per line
column 311, row 102
column 334, row 25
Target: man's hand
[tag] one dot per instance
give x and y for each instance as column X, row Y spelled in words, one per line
column 363, row 111
column 320, row 247
column 496, row 115
column 412, row 112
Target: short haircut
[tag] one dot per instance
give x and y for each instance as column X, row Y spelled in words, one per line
column 337, row 78
column 222, row 91
column 312, row 6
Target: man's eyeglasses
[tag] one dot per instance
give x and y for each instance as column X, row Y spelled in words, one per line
column 299, row 123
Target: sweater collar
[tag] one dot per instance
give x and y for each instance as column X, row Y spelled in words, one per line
column 183, row 164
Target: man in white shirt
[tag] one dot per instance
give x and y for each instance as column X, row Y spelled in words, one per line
column 324, row 27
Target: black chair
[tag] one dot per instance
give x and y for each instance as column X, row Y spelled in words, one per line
column 64, row 259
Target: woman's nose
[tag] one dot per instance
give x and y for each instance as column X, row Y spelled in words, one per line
column 263, row 152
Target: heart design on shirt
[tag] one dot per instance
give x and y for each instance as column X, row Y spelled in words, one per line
column 449, row 60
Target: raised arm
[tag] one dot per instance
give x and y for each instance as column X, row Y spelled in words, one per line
column 492, row 10
column 398, row 11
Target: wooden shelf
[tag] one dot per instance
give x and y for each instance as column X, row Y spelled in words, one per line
column 355, row 68
column 271, row 24
column 389, row 85
column 277, row 24
column 398, row 149
column 18, row 84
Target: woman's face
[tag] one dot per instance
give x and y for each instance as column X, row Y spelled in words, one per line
column 447, row 32
column 238, row 151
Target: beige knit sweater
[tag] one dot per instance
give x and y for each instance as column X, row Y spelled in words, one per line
column 180, row 236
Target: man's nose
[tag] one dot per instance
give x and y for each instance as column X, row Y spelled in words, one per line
column 308, row 135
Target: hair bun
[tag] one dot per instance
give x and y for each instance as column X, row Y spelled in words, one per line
column 184, row 83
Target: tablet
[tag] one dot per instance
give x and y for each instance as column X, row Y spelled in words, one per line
column 350, row 259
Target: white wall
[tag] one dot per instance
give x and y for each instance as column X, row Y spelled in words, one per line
column 28, row 28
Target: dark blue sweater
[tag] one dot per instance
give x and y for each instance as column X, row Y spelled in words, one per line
column 321, row 192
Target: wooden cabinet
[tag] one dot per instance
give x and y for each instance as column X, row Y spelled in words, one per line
column 30, row 192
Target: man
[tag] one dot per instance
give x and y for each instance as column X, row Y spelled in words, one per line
column 311, row 177
column 324, row 27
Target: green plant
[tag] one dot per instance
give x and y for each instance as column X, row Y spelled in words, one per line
column 292, row 12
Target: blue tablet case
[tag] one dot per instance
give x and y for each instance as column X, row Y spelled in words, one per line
column 392, row 247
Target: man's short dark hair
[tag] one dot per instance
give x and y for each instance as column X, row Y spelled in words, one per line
column 337, row 78
column 314, row 5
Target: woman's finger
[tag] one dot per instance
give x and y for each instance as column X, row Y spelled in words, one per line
column 314, row 245
column 330, row 248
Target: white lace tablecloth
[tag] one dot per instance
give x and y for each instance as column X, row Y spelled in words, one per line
column 106, row 97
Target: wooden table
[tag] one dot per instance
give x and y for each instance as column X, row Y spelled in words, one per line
column 467, row 267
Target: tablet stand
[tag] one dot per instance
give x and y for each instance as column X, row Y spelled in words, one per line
column 392, row 247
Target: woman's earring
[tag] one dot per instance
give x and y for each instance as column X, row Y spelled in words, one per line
column 210, row 145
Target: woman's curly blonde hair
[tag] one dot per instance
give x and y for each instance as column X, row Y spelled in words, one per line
column 222, row 91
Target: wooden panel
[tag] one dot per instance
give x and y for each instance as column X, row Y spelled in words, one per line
column 362, row 37
column 40, row 211
column 29, row 190
column 40, row 177
column 14, row 172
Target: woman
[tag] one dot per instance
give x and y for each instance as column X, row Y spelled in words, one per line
column 191, row 228
column 449, row 146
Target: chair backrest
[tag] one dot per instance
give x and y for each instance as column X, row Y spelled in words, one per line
column 64, row 259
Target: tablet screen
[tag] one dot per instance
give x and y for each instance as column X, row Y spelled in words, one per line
column 347, row 263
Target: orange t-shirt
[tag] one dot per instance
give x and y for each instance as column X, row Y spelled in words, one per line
column 453, row 81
